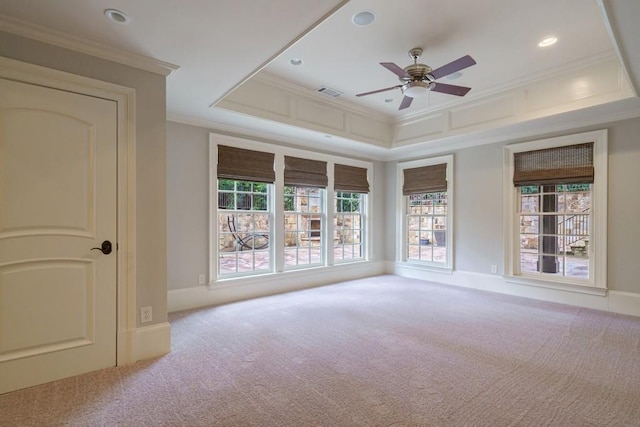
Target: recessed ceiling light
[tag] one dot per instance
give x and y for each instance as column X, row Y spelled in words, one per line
column 363, row 18
column 455, row 75
column 116, row 16
column 296, row 61
column 548, row 41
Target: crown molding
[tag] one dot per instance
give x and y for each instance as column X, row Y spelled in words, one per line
column 270, row 79
column 598, row 115
column 355, row 149
column 341, row 104
column 595, row 116
column 67, row 41
column 512, row 85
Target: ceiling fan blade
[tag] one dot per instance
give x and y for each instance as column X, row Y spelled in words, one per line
column 451, row 89
column 396, row 70
column 406, row 102
column 379, row 90
column 452, row 67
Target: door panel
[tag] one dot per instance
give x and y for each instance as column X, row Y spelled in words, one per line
column 57, row 201
column 63, row 290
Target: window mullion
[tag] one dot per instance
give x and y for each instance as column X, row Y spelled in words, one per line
column 277, row 208
column 328, row 256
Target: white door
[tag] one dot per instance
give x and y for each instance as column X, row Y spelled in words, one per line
column 57, row 201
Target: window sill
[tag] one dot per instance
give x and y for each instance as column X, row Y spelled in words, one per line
column 349, row 262
column 233, row 280
column 554, row 284
column 432, row 268
column 297, row 273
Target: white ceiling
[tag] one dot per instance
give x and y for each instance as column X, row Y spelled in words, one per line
column 501, row 35
column 218, row 44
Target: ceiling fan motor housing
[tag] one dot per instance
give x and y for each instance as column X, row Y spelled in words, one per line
column 418, row 72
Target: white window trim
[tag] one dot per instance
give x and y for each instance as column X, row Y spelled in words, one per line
column 597, row 283
column 214, row 223
column 364, row 203
column 275, row 221
column 324, row 240
column 401, row 226
column 277, row 200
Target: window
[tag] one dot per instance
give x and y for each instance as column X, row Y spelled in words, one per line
column 555, row 210
column 348, row 226
column 304, row 211
column 304, row 228
column 244, row 227
column 351, row 187
column 554, row 229
column 427, row 227
column 425, row 201
column 272, row 212
column 243, row 215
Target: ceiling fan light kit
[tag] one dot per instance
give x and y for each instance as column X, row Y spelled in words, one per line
column 418, row 79
column 417, row 89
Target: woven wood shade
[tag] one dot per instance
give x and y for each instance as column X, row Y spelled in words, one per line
column 426, row 179
column 245, row 165
column 350, row 179
column 571, row 164
column 305, row 172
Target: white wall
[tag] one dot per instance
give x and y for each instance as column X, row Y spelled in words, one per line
column 477, row 218
column 391, row 216
column 188, row 206
column 478, row 208
column 478, row 232
column 624, row 206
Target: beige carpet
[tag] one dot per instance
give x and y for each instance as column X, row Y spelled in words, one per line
column 384, row 351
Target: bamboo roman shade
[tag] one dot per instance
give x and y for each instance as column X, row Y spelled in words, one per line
column 571, row 164
column 350, row 179
column 305, row 172
column 245, row 165
column 426, row 179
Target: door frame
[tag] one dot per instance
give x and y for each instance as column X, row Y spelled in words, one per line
column 124, row 98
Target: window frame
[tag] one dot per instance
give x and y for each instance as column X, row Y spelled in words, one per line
column 401, row 209
column 597, row 281
column 237, row 212
column 362, row 203
column 322, row 195
column 556, row 237
column 432, row 218
column 277, row 243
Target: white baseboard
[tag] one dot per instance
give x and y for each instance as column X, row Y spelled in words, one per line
column 152, row 341
column 624, row 303
column 257, row 286
column 614, row 301
column 227, row 291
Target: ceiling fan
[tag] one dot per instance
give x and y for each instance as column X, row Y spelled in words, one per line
column 418, row 79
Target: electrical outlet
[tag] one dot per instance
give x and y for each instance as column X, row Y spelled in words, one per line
column 201, row 279
column 494, row 269
column 146, row 314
